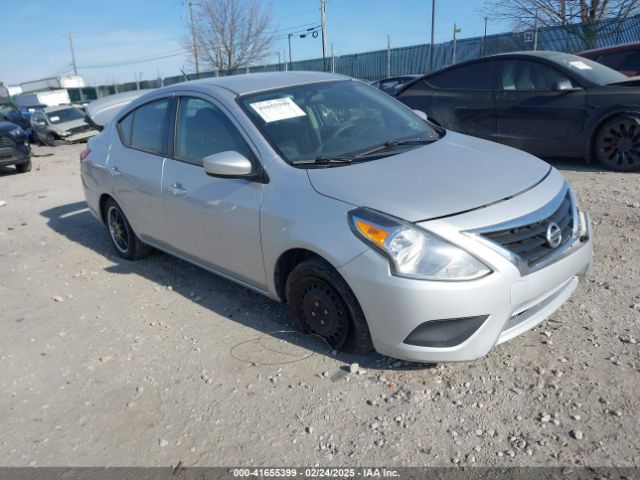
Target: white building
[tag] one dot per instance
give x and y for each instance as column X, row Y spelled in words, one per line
column 53, row 83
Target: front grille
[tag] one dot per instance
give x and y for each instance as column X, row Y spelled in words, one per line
column 81, row 128
column 529, row 242
column 6, row 142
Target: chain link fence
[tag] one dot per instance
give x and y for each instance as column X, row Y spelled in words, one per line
column 378, row 64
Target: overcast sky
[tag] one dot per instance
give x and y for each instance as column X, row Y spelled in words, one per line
column 117, row 39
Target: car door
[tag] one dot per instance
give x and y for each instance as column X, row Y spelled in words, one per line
column 464, row 99
column 534, row 114
column 214, row 221
column 135, row 164
column 39, row 125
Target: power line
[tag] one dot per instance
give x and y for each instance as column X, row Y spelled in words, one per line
column 138, row 60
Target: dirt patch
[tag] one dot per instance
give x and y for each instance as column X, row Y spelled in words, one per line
column 108, row 362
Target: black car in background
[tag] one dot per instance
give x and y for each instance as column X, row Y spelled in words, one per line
column 622, row 58
column 9, row 113
column 550, row 104
column 391, row 85
column 14, row 147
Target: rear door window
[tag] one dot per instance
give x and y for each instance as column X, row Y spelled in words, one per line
column 143, row 129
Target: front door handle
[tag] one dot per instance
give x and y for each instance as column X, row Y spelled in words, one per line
column 114, row 171
column 177, row 190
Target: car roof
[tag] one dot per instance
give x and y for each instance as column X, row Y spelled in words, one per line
column 614, row 48
column 544, row 54
column 256, row 82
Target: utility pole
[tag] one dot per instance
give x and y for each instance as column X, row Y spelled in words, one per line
column 484, row 39
column 388, row 56
column 453, row 53
column 535, row 32
column 433, row 26
column 324, row 39
column 289, row 35
column 73, row 54
column 193, row 38
column 333, row 60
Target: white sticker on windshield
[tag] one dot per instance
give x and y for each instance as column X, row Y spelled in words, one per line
column 580, row 65
column 278, row 109
column 54, row 118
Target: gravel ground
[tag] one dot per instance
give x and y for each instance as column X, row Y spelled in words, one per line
column 108, row 362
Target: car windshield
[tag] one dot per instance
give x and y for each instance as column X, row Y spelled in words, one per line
column 64, row 115
column 335, row 121
column 591, row 71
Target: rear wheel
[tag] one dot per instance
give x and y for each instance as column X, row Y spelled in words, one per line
column 321, row 302
column 123, row 238
column 24, row 167
column 617, row 143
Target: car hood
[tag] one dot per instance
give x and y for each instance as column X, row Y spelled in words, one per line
column 7, row 126
column 457, row 173
column 629, row 82
column 71, row 124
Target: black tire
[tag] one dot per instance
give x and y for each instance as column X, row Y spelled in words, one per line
column 124, row 240
column 24, row 167
column 321, row 302
column 50, row 140
column 617, row 143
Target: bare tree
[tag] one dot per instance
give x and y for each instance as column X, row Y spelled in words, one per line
column 231, row 34
column 579, row 17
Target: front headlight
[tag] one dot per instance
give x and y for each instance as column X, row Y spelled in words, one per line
column 64, row 133
column 413, row 252
column 16, row 132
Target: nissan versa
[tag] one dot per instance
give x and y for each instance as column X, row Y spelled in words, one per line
column 378, row 229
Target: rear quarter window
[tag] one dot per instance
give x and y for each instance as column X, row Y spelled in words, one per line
column 143, row 128
column 476, row 76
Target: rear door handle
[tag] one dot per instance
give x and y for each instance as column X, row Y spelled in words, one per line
column 114, row 171
column 177, row 190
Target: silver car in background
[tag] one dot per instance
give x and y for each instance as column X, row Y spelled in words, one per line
column 378, row 229
column 61, row 122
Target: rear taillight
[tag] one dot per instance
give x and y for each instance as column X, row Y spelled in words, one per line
column 85, row 153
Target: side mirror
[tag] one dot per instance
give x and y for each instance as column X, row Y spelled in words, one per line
column 421, row 114
column 228, row 164
column 562, row 85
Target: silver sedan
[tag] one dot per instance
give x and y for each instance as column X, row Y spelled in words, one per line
column 380, row 230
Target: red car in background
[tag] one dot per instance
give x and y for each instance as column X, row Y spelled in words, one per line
column 623, row 58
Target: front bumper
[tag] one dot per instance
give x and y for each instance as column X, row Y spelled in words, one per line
column 395, row 306
column 14, row 155
column 77, row 137
column 509, row 301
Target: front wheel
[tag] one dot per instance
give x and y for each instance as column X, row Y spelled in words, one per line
column 321, row 302
column 617, row 143
column 123, row 238
column 24, row 167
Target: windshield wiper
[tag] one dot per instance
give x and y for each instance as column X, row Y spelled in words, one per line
column 391, row 144
column 323, row 160
column 351, row 158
